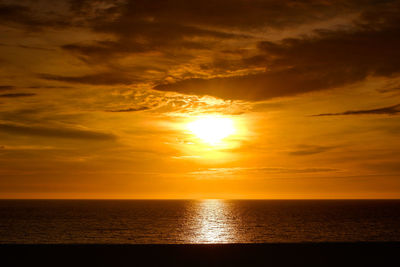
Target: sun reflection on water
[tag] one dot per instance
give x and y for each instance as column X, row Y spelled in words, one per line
column 213, row 222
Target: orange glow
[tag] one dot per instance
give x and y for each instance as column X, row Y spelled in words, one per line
column 187, row 101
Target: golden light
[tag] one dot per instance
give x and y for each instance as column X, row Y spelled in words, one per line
column 214, row 222
column 212, row 129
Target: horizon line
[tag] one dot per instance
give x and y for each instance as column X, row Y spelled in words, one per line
column 199, row 199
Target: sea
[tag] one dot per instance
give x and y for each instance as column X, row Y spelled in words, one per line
column 197, row 221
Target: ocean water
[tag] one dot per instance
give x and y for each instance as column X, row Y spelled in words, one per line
column 198, row 221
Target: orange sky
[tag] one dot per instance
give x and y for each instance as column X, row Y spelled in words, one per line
column 96, row 98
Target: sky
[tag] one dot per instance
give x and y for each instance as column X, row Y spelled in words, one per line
column 99, row 99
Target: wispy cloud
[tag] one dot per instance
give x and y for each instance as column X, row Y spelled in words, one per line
column 102, row 78
column 305, row 150
column 6, row 87
column 260, row 170
column 15, row 95
column 129, row 109
column 28, row 47
column 68, row 133
column 391, row 110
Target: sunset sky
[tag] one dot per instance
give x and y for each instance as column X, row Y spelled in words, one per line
column 200, row 99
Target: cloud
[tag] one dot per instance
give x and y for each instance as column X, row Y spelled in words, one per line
column 224, row 172
column 129, row 109
column 236, row 14
column 391, row 110
column 171, row 30
column 49, row 87
column 323, row 60
column 116, row 16
column 6, row 87
column 253, row 87
column 15, row 13
column 15, row 95
column 33, row 16
column 35, row 47
column 310, row 150
column 102, row 78
column 67, row 133
column 176, row 26
column 295, row 66
column 384, row 166
column 101, row 51
column 27, row 47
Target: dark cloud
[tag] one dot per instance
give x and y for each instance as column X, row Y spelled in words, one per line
column 129, row 109
column 48, row 87
column 309, row 150
column 390, row 87
column 326, row 59
column 103, row 78
column 132, row 16
column 24, row 116
column 31, row 18
column 392, row 166
column 172, row 25
column 172, row 29
column 102, row 51
column 6, row 87
column 142, row 26
column 15, row 13
column 106, row 49
column 249, row 87
column 392, row 110
column 35, row 47
column 15, row 95
column 237, row 14
column 45, row 114
column 294, row 66
column 27, row 47
column 67, row 133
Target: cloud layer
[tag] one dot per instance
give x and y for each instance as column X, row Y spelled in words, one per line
column 322, row 60
column 100, row 92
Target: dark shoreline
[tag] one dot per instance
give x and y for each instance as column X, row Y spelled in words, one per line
column 271, row 254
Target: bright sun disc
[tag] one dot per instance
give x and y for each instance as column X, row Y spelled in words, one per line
column 212, row 129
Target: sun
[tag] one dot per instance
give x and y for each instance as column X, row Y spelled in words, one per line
column 212, row 129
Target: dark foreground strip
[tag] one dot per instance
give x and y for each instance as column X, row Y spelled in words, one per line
column 300, row 254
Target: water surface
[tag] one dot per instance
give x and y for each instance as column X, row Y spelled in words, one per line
column 191, row 221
